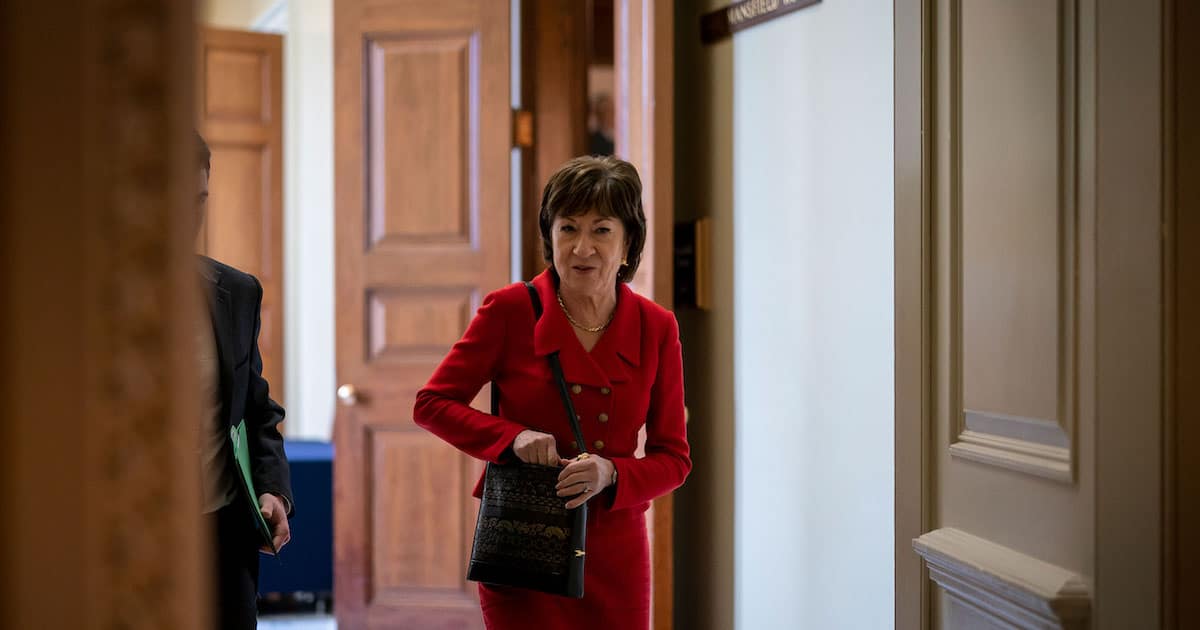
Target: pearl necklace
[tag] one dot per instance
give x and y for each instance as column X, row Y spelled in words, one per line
column 591, row 329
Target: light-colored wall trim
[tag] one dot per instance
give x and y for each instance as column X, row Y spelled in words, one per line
column 913, row 29
column 1032, row 430
column 1129, row 313
column 1008, row 588
column 1028, row 445
column 1035, row 446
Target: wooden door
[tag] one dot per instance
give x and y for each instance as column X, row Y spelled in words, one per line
column 1029, row 310
column 645, row 106
column 1011, row 324
column 422, row 121
column 239, row 87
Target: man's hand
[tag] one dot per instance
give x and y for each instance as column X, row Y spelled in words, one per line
column 275, row 514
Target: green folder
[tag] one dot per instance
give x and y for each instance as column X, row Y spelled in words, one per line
column 241, row 454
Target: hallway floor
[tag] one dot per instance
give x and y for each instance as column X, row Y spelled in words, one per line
column 297, row 622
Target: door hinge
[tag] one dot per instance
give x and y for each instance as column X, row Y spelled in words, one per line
column 522, row 126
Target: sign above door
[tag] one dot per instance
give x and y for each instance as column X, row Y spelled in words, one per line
column 723, row 23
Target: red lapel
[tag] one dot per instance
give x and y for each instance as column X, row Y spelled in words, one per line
column 608, row 361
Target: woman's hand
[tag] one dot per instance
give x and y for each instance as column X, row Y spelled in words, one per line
column 533, row 447
column 583, row 478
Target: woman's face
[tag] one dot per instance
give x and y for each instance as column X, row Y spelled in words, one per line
column 588, row 249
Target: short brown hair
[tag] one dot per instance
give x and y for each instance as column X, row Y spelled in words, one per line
column 203, row 155
column 606, row 184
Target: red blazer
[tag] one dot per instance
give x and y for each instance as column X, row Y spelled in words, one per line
column 633, row 376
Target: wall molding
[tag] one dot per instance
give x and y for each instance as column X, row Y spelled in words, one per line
column 1006, row 587
column 1037, row 447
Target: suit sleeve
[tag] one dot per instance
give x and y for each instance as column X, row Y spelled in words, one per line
column 263, row 415
column 443, row 406
column 668, row 456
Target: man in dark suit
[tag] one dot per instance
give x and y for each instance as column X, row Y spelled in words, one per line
column 233, row 389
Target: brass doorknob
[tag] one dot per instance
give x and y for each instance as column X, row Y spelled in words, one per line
column 348, row 395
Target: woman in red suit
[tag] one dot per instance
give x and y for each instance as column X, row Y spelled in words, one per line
column 621, row 359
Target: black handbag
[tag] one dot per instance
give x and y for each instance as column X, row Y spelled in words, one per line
column 524, row 535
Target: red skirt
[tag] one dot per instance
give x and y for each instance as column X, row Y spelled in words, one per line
column 616, row 583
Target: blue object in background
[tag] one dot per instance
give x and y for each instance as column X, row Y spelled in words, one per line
column 306, row 563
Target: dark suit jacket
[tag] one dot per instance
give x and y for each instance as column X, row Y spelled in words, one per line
column 234, row 304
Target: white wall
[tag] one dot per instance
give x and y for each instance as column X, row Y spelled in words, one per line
column 308, row 287
column 813, row 319
column 308, row 219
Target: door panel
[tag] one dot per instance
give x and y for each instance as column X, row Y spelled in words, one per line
column 1013, row 455
column 1010, row 185
column 240, row 105
column 404, row 202
column 422, row 121
column 1029, row 312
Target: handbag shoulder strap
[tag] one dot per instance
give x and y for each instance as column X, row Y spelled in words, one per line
column 556, row 370
column 537, row 301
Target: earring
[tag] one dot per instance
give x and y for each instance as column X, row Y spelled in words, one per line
column 624, row 263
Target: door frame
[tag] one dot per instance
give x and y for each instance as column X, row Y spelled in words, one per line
column 1181, row 157
column 644, row 104
column 913, row 315
column 98, row 316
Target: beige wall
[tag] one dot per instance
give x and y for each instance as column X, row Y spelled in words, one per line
column 704, row 559
column 239, row 14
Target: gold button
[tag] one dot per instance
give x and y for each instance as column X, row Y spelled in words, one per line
column 602, row 417
column 599, row 444
column 576, row 389
column 605, row 390
column 575, row 445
